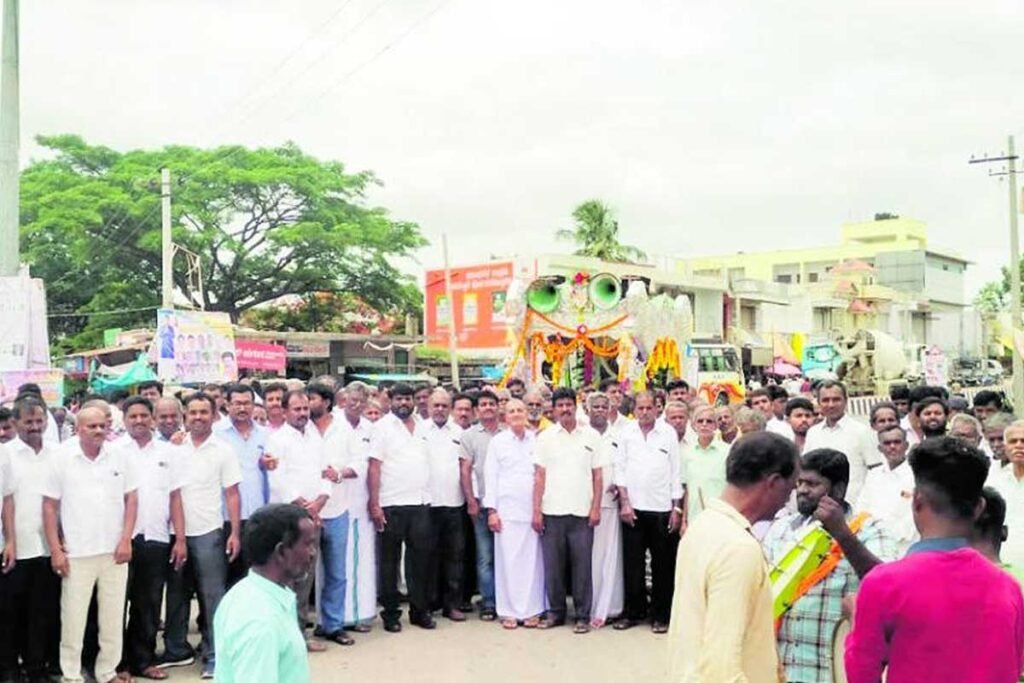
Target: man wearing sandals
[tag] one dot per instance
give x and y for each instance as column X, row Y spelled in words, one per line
column 566, row 507
column 518, row 559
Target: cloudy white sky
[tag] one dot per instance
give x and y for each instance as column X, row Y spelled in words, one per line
column 711, row 126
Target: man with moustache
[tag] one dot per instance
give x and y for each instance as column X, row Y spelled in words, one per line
column 535, row 420
column 566, row 508
column 256, row 619
column 211, row 486
column 399, row 485
column 889, row 489
column 297, row 478
column 805, row 629
column 932, row 414
column 168, row 418
column 160, row 478
column 800, row 417
column 30, row 617
column 89, row 510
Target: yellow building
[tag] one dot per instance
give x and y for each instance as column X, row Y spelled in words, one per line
column 883, row 274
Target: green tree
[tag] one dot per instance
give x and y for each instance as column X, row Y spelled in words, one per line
column 992, row 298
column 265, row 223
column 596, row 234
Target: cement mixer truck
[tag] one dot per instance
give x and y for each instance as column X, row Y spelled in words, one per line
column 868, row 361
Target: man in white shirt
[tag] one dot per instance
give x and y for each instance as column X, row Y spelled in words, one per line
column 889, row 489
column 607, row 555
column 160, row 476
column 334, row 516
column 566, row 508
column 9, row 667
column 765, row 400
column 360, row 603
column 399, row 484
column 30, row 620
column 447, row 505
column 211, row 485
column 612, row 389
column 648, row 474
column 800, row 417
column 297, row 478
column 856, row 440
column 1009, row 482
column 89, row 511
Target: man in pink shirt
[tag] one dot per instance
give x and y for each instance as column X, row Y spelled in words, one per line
column 944, row 612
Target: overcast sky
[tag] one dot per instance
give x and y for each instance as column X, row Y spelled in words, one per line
column 710, row 126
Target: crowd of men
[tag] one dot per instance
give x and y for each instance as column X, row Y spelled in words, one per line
column 525, row 496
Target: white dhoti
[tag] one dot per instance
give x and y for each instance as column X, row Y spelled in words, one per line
column 361, row 571
column 518, row 572
column 607, row 568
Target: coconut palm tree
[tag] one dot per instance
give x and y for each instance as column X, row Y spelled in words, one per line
column 596, row 234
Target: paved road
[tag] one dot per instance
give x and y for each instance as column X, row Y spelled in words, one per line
column 478, row 652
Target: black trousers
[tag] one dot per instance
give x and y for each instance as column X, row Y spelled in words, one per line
column 568, row 543
column 30, row 619
column 649, row 532
column 147, row 576
column 409, row 525
column 449, row 547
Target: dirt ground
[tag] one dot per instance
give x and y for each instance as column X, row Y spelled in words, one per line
column 477, row 651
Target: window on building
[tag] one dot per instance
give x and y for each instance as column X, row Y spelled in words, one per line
column 784, row 278
column 812, row 277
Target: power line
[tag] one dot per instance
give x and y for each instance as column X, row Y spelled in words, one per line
column 113, row 311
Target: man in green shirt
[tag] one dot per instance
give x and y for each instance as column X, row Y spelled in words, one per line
column 258, row 637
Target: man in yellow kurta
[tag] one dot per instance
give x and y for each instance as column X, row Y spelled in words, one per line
column 721, row 629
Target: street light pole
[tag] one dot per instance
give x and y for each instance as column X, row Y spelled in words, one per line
column 10, row 130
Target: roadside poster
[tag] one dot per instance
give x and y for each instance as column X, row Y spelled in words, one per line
column 477, row 306
column 50, row 381
column 935, row 367
column 253, row 355
column 24, row 342
column 195, row 346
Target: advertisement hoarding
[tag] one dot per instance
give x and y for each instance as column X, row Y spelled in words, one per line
column 478, row 307
column 195, row 346
column 261, row 356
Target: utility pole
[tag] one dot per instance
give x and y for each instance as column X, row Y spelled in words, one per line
column 452, row 339
column 166, row 246
column 10, row 252
column 1017, row 391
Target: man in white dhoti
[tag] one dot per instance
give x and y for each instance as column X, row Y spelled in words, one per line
column 508, row 499
column 607, row 556
column 360, row 552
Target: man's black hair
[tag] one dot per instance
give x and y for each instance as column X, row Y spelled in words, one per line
column 993, row 518
column 751, row 395
column 138, row 401
column 831, row 384
column 756, row 456
column 200, row 396
column 776, row 392
column 28, row 403
column 401, row 389
column 607, row 383
column 797, row 403
column 951, row 474
column 267, row 527
column 5, row 414
column 899, row 392
column 919, row 406
column 118, row 395
column 30, row 388
column 514, row 380
column 275, row 386
column 289, row 395
column 882, row 405
column 677, row 384
column 987, row 397
column 829, row 463
column 563, row 393
column 462, row 396
column 488, row 394
column 151, row 384
column 324, row 392
column 920, row 393
column 238, row 388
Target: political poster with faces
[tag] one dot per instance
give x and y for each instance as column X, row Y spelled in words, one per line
column 195, row 347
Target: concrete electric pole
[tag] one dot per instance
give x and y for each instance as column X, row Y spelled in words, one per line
column 1010, row 171
column 166, row 246
column 10, row 250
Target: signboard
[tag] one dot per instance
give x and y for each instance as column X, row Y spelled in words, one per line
column 478, row 306
column 24, row 342
column 195, row 346
column 935, row 367
column 261, row 356
column 309, row 349
column 50, row 381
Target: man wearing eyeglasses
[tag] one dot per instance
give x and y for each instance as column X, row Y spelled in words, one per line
column 889, row 489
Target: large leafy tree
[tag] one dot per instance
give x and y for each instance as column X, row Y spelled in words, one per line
column 596, row 234
column 264, row 223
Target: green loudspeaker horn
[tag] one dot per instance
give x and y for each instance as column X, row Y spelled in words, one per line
column 542, row 296
column 605, row 291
